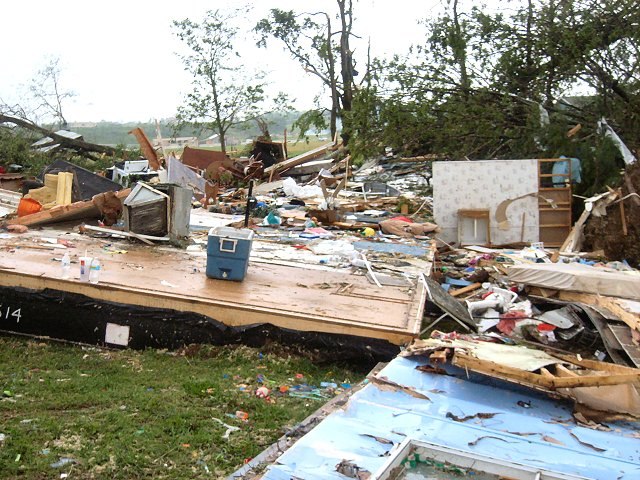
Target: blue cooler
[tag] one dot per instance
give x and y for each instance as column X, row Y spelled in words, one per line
column 228, row 252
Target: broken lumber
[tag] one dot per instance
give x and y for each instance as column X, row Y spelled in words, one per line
column 467, row 289
column 146, row 147
column 63, row 213
column 299, row 160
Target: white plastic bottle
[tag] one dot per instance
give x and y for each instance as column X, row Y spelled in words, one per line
column 66, row 266
column 94, row 271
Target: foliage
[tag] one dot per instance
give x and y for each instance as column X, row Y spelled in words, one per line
column 500, row 85
column 321, row 50
column 310, row 120
column 132, row 414
column 15, row 148
column 222, row 94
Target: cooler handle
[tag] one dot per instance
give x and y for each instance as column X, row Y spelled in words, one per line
column 228, row 245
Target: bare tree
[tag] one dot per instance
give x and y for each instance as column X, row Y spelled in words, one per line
column 48, row 92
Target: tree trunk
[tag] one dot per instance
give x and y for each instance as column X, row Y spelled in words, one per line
column 333, row 85
column 460, row 51
column 223, row 141
column 346, row 63
column 75, row 144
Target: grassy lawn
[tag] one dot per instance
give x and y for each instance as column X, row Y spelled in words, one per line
column 134, row 414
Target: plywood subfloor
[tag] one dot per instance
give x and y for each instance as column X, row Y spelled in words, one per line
column 327, row 300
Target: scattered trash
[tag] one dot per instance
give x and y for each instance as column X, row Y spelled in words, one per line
column 351, row 470
column 229, row 428
column 244, row 416
column 62, row 462
column 262, row 392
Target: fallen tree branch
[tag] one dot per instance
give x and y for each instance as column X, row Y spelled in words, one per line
column 64, row 141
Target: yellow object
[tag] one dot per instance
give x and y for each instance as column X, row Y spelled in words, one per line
column 368, row 232
column 64, row 190
column 46, row 194
column 57, row 190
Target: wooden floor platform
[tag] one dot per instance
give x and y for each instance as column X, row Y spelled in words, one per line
column 333, row 301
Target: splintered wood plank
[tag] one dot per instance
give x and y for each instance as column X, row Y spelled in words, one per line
column 566, row 378
column 563, row 371
column 469, row 288
column 546, row 373
column 286, row 296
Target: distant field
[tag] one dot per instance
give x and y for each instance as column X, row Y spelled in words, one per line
column 293, row 148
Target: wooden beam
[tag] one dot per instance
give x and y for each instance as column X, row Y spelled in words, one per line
column 467, row 289
column 595, row 365
column 594, row 380
column 497, row 370
column 546, row 373
column 623, row 219
column 563, row 371
column 146, row 147
column 299, row 160
column 523, row 377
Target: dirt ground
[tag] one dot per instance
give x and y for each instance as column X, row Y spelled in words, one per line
column 607, row 233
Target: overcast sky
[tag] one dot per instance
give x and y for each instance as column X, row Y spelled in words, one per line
column 119, row 57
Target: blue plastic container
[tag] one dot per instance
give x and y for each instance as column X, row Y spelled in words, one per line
column 228, row 252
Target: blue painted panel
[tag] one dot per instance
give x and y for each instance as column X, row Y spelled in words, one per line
column 535, row 436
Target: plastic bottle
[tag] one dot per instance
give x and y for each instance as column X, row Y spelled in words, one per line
column 66, row 266
column 94, row 271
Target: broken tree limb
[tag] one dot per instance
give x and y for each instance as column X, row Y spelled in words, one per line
column 64, row 141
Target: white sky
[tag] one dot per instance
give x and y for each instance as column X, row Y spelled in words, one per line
column 119, row 56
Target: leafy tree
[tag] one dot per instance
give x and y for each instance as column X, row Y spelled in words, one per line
column 499, row 85
column 310, row 39
column 223, row 93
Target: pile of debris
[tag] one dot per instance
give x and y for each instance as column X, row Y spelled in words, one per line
column 314, row 208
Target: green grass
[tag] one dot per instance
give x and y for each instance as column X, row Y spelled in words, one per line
column 145, row 414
